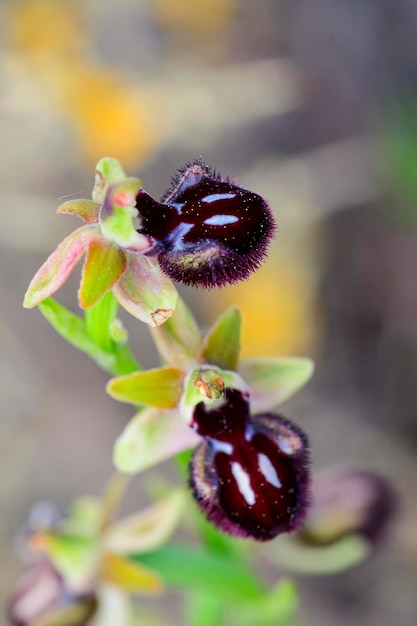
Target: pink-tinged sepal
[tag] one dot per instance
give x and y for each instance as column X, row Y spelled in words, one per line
column 59, row 265
column 86, row 210
column 145, row 292
column 104, row 265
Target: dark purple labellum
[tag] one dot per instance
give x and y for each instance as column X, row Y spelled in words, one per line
column 206, row 231
column 250, row 475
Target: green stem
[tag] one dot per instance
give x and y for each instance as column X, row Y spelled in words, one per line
column 99, row 318
column 203, row 609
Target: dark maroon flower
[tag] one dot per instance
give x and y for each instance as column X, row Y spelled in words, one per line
column 206, row 231
column 41, row 598
column 250, row 475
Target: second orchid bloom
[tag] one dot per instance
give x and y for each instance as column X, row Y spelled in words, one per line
column 250, row 470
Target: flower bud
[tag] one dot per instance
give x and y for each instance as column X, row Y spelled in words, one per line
column 41, row 599
column 348, row 501
column 250, row 474
column 207, row 231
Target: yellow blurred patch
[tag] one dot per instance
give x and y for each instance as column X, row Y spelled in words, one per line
column 276, row 305
column 43, row 27
column 205, row 17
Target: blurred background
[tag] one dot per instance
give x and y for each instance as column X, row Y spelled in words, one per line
column 312, row 104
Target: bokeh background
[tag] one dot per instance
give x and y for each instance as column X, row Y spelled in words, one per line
column 311, row 103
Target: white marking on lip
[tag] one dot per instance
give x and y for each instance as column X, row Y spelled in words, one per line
column 221, row 220
column 243, row 483
column 268, row 470
column 222, row 446
column 213, row 197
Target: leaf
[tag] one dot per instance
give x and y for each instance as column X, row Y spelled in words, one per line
column 187, row 567
column 130, row 576
column 103, row 266
column 73, row 329
column 160, row 387
column 179, row 339
column 59, row 265
column 145, row 292
column 221, row 346
column 276, row 609
column 274, row 380
column 292, row 554
column 84, row 209
column 152, row 436
column 148, row 529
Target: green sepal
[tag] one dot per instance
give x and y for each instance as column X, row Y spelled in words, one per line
column 145, row 292
column 187, row 567
column 160, row 388
column 108, row 171
column 86, row 210
column 150, row 528
column 179, row 339
column 221, row 346
column 274, row 380
column 298, row 557
column 151, row 436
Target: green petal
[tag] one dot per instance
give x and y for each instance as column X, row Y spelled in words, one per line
column 108, row 170
column 145, row 292
column 206, row 384
column 152, row 436
column 221, row 346
column 59, row 265
column 160, row 387
column 84, row 209
column 274, row 380
column 117, row 214
column 130, row 576
column 103, row 266
column 148, row 529
column 179, row 339
column 296, row 556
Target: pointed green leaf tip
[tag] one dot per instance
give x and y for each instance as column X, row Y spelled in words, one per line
column 160, row 387
column 221, row 346
column 274, row 380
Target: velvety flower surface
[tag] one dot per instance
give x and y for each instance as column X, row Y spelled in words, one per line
column 113, row 252
column 207, row 232
column 250, row 475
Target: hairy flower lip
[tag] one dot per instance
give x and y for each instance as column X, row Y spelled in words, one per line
column 206, row 231
column 250, row 474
